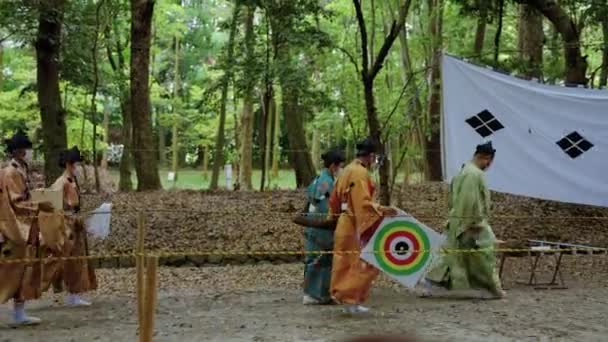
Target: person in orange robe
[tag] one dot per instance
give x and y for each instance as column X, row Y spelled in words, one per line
column 360, row 216
column 19, row 231
column 78, row 276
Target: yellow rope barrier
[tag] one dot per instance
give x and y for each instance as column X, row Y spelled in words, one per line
column 295, row 213
column 574, row 251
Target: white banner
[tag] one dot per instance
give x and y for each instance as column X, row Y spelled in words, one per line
column 551, row 141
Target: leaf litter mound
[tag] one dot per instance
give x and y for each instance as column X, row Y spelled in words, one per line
column 256, row 224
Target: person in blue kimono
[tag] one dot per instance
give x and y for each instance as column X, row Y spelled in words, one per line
column 317, row 270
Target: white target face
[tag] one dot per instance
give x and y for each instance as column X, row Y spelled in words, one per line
column 401, row 248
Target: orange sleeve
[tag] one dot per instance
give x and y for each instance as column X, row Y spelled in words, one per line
column 366, row 211
column 9, row 227
column 70, row 195
column 19, row 195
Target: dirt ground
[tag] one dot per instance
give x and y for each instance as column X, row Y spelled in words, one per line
column 262, row 303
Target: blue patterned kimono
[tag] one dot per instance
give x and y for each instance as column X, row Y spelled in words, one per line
column 317, row 270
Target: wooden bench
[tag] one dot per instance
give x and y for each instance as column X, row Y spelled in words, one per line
column 536, row 250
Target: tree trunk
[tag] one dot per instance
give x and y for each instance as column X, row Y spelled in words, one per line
column 236, row 167
column 218, row 159
column 1, row 66
column 408, row 74
column 372, row 39
column 143, row 139
column 376, row 134
column 395, row 153
column 263, row 132
column 368, row 74
column 162, row 143
column 106, row 130
column 174, row 135
column 530, row 41
column 205, row 153
column 604, row 71
column 576, row 64
column 480, row 32
column 48, row 40
column 246, row 159
column 349, row 153
column 555, row 60
column 316, row 149
column 83, row 124
column 269, row 137
column 276, row 154
column 125, row 182
column 94, row 94
column 433, row 143
column 301, row 159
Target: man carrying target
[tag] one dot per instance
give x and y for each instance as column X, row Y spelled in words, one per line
column 468, row 229
column 359, row 217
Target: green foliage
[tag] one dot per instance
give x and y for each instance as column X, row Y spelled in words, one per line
column 304, row 47
column 75, row 136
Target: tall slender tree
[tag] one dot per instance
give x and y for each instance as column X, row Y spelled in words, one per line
column 52, row 115
column 116, row 58
column 602, row 12
column 218, row 160
column 175, row 107
column 433, row 142
column 146, row 165
column 369, row 71
column 293, row 36
column 482, row 22
column 531, row 40
column 246, row 152
column 576, row 63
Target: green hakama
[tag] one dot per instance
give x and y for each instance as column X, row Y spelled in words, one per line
column 468, row 229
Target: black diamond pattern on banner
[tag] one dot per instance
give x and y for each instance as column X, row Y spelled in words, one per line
column 574, row 144
column 485, row 123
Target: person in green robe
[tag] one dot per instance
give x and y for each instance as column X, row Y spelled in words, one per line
column 468, row 229
column 317, row 270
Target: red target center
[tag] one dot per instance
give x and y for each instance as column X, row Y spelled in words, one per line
column 389, row 253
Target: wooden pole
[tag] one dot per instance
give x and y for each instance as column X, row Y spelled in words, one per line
column 150, row 298
column 139, row 262
column 174, row 139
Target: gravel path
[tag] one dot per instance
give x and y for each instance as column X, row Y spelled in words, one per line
column 262, row 303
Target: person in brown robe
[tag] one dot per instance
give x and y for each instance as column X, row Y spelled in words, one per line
column 19, row 231
column 78, row 276
column 359, row 217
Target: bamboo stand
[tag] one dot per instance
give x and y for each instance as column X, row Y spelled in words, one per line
column 146, row 285
column 150, row 299
column 139, row 262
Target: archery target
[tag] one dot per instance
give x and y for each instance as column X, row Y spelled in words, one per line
column 402, row 248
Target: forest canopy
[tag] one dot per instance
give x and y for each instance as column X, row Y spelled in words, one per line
column 269, row 84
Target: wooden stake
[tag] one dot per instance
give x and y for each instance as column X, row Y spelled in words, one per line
column 139, row 262
column 150, row 298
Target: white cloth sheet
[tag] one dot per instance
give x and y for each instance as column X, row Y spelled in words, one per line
column 534, row 118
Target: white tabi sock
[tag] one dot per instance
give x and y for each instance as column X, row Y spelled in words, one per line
column 20, row 317
column 75, row 300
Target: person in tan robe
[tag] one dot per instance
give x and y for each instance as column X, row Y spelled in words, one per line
column 78, row 276
column 19, row 231
column 360, row 216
